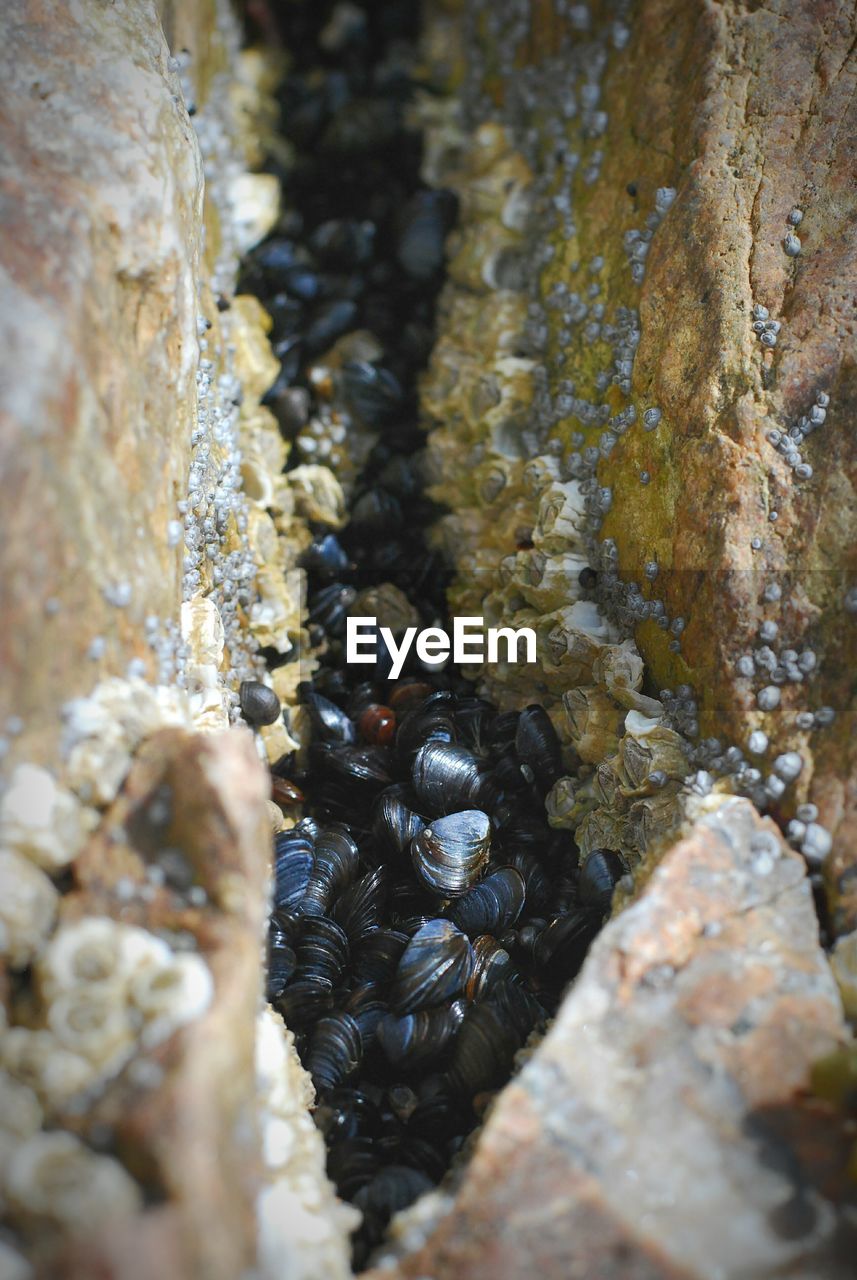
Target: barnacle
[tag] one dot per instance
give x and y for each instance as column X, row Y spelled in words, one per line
column 40, row 819
column 28, row 905
column 53, row 1178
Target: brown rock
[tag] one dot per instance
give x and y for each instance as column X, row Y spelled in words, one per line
column 647, row 1136
column 181, row 1116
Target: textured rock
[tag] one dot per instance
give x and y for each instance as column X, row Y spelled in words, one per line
column 101, row 190
column 637, row 1142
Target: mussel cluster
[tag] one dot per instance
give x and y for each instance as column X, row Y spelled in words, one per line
column 426, row 916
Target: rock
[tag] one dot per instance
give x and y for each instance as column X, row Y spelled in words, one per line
column 638, row 1140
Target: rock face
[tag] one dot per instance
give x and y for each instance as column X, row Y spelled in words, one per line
column 626, row 325
column 101, row 189
column 635, row 1142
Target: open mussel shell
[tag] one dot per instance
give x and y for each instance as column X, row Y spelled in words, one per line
column 293, row 861
column 450, row 855
column 322, row 950
column 417, row 1038
column 360, row 907
column 492, row 905
column 434, row 967
column 334, row 866
column 335, row 1050
column 377, row 954
column 537, row 746
column 491, row 964
column 329, row 722
column 446, row 778
column 394, row 824
column 599, row 874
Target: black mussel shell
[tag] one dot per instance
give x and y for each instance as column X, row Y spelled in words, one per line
column 394, row 824
column 304, row 1001
column 502, row 732
column 446, row 778
column 435, row 966
column 259, row 704
column 367, row 1008
column 377, row 955
column 343, row 243
column 536, row 880
column 282, row 962
column 328, row 608
column 372, row 392
column 537, row 746
column 359, row 908
column 334, row 866
column 359, row 768
column 561, row 947
column 335, row 1050
column 376, row 512
column 347, row 1113
column 491, row 964
column 599, row 874
column 429, row 720
column 428, row 217
column 417, row 1038
column 329, row 322
column 391, row 1190
column 351, row 1164
column 517, row 1006
column 325, row 557
column 483, row 1050
column 322, row 950
column 329, row 722
column 293, row 859
column 492, row 905
column 451, row 854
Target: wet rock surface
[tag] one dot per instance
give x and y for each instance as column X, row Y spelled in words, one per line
column 635, row 1143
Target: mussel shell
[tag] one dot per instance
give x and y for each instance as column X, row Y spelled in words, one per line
column 434, row 967
column 367, row 1007
column 303, row 1001
column 375, row 512
column 483, row 1050
column 259, row 704
column 325, row 557
column 282, row 962
column 343, row 242
column 377, row 955
column 373, row 393
column 492, row 905
column 328, row 607
column 429, row 720
column 351, row 1164
column 491, row 965
column 359, row 768
column 518, row 1007
column 329, row 322
column 329, row 722
column 450, row 855
column 599, row 874
column 502, row 732
column 393, row 823
column 428, row 217
column 537, row 882
column 561, row 947
column 347, row 1112
column 359, row 908
column 335, row 1050
column 322, row 950
column 334, row 866
column 390, row 1191
column 293, row 860
column 446, row 778
column 537, row 745
column 417, row 1038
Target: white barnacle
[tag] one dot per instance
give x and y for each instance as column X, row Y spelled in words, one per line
column 172, row 995
column 791, row 245
column 40, row 819
column 20, row 1109
column 97, row 952
column 55, row 1178
column 94, row 1022
column 37, row 1059
column 28, row 906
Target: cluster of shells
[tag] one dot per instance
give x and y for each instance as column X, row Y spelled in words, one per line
column 626, row 766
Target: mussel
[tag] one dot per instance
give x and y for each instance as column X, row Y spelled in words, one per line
column 335, row 1050
column 491, row 964
column 335, row 859
column 377, row 954
column 373, row 393
column 322, row 950
column 329, row 722
column 601, row 871
column 450, row 855
column 293, row 859
column 393, row 823
column 359, row 908
column 537, row 746
column 434, row 967
column 492, row 905
column 417, row 1038
column 446, row 778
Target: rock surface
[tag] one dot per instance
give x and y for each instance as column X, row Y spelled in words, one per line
column 634, row 1142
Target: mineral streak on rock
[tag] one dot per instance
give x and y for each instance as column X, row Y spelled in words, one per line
column 637, row 1142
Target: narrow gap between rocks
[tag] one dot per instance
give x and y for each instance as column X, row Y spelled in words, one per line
column 426, row 916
